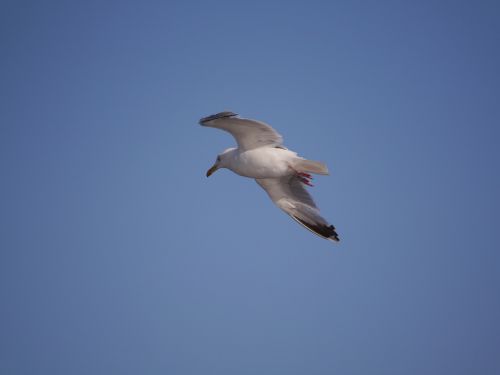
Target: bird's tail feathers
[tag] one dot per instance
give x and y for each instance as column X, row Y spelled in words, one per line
column 311, row 166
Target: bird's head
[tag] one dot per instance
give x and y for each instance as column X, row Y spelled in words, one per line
column 222, row 161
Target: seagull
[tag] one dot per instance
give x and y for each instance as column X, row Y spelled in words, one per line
column 280, row 172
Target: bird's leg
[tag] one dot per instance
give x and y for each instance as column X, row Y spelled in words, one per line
column 306, row 175
column 303, row 177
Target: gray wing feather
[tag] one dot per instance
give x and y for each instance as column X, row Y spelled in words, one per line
column 289, row 188
column 248, row 133
column 290, row 195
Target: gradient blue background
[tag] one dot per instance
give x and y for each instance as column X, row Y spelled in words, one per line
column 118, row 256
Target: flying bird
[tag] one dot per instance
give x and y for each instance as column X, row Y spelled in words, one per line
column 280, row 172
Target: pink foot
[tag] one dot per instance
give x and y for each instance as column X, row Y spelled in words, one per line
column 305, row 178
column 306, row 175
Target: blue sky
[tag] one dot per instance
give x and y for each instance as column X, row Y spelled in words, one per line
column 118, row 255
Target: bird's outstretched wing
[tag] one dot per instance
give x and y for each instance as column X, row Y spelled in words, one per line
column 248, row 133
column 289, row 194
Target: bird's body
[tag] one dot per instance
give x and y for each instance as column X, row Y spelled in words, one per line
column 279, row 171
column 262, row 162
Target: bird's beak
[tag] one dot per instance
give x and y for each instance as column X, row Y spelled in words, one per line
column 212, row 169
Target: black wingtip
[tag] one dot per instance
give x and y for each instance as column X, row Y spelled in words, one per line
column 325, row 231
column 217, row 116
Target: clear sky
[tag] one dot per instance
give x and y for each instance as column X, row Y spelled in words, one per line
column 118, row 255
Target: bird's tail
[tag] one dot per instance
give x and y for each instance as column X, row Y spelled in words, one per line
column 311, row 166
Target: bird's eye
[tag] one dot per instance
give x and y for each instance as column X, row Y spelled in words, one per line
column 218, row 158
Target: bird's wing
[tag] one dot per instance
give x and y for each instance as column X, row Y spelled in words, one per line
column 248, row 133
column 289, row 194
